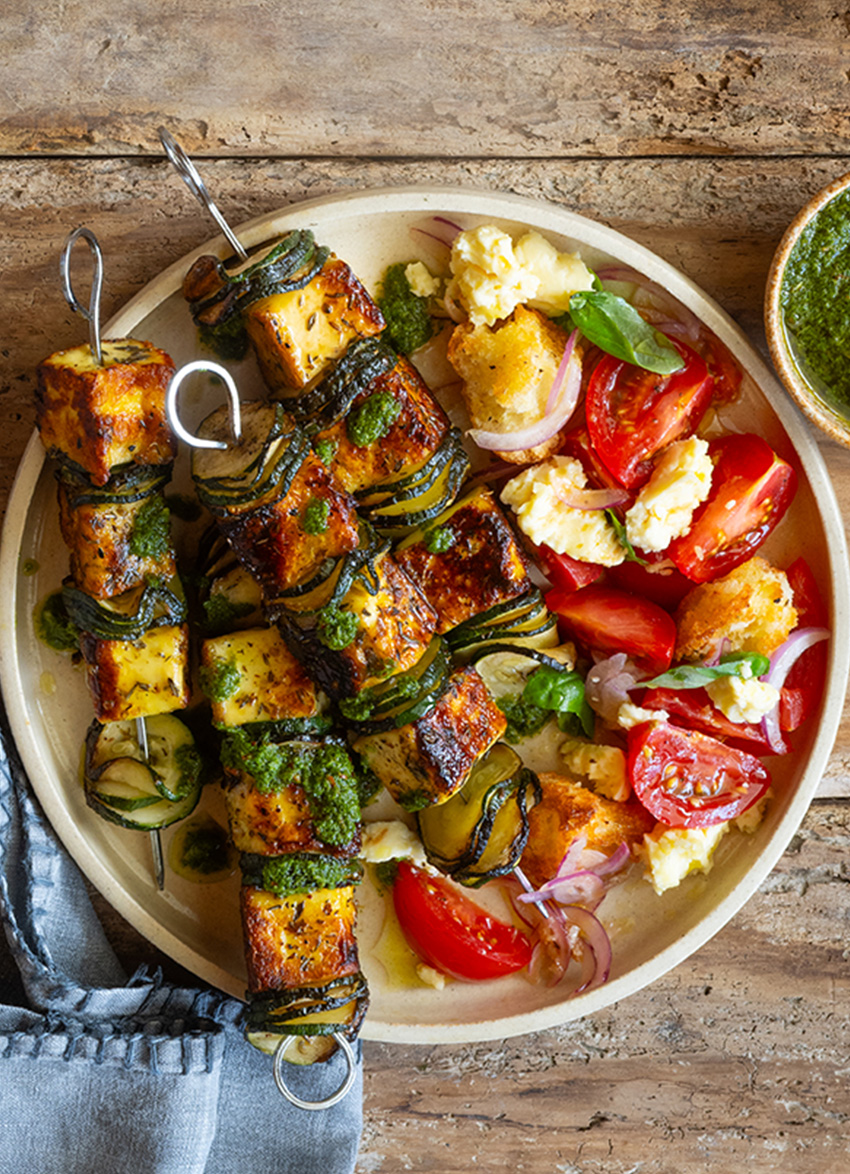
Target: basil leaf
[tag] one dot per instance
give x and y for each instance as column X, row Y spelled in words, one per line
column 560, row 691
column 622, row 537
column 746, row 665
column 609, row 322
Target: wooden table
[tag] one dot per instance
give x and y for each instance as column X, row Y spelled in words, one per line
column 699, row 130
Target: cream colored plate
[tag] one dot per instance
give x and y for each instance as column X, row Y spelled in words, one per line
column 198, row 926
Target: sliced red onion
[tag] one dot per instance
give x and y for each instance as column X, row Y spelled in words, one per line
column 552, row 952
column 594, row 499
column 583, row 887
column 438, row 229
column 682, row 314
column 780, row 665
column 565, row 390
column 597, row 943
column 608, row 684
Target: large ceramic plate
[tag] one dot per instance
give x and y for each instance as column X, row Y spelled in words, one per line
column 198, row 925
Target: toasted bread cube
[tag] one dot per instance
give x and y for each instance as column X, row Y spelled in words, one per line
column 395, row 626
column 507, row 372
column 138, row 678
column 299, row 941
column 100, row 540
column 298, row 334
column 566, row 811
column 275, row 823
column 272, row 684
column 271, row 541
column 482, row 565
column 99, row 417
column 414, row 437
column 751, row 609
column 425, row 762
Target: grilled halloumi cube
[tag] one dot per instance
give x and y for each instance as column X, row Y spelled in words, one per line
column 275, row 823
column 568, row 810
column 277, row 541
column 138, row 678
column 413, row 438
column 99, row 417
column 106, row 558
column 299, row 941
column 268, row 683
column 476, row 562
column 299, row 333
column 425, row 762
column 395, row 624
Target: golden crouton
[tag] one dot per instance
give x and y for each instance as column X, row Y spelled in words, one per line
column 751, row 608
column 507, row 372
column 568, row 810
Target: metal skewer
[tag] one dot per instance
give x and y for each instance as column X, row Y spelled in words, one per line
column 91, row 313
column 191, row 177
column 177, row 426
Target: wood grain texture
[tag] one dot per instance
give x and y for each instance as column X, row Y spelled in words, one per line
column 412, row 78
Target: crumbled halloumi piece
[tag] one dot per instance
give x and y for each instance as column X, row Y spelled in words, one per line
column 537, row 497
column 491, row 276
column 629, row 715
column 679, row 483
column 604, row 766
column 751, row 819
column 421, row 280
column 743, row 700
column 390, row 839
column 671, row 854
column 430, row 977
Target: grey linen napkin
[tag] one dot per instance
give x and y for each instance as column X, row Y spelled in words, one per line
column 100, row 1074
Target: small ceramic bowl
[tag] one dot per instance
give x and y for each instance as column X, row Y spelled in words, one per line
column 815, row 399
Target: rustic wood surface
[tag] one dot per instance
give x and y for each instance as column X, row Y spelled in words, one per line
column 697, row 129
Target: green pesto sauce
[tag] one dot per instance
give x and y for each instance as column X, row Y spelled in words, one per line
column 302, row 873
column 221, row 680
column 439, row 540
column 314, row 520
column 324, row 772
column 409, row 325
column 336, row 629
column 29, row 566
column 815, row 296
column 151, row 533
column 525, row 719
column 372, row 419
column 200, row 851
column 325, row 450
column 54, row 627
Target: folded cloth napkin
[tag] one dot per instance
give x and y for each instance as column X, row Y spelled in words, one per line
column 100, row 1074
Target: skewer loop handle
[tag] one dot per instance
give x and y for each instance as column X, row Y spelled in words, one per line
column 233, row 397
column 190, row 175
column 92, row 313
column 335, row 1097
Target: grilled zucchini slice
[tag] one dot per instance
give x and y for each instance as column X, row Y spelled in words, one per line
column 524, row 621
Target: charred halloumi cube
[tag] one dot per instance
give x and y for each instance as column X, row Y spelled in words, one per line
column 394, row 625
column 299, row 333
column 253, row 677
column 283, row 542
column 299, row 941
column 427, row 761
column 138, row 678
column 275, row 823
column 466, row 561
column 101, row 416
column 415, row 435
column 109, row 551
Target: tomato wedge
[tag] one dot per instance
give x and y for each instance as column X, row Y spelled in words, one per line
column 803, row 686
column 667, row 587
column 693, row 709
column 751, row 489
column 632, row 413
column 452, row 933
column 565, row 572
column 690, row 780
column 609, row 620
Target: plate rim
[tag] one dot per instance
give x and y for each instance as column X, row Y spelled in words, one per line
column 543, row 215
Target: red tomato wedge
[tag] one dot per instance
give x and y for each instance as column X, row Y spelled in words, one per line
column 452, row 933
column 750, row 491
column 803, row 686
column 565, row 572
column 632, row 413
column 666, row 587
column 693, row 709
column 689, row 780
column 609, row 620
